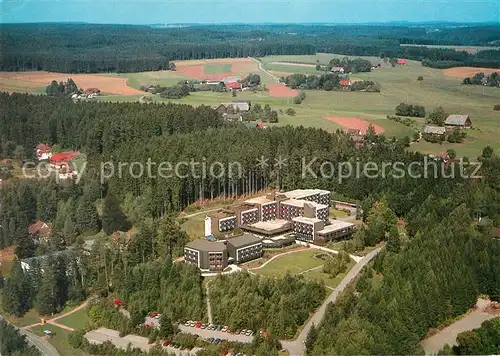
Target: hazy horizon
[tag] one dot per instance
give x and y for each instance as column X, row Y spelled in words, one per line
column 246, row 12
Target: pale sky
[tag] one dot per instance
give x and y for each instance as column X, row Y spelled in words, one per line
column 256, row 11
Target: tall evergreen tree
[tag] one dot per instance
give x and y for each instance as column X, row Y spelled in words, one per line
column 16, row 296
column 87, row 218
column 393, row 240
column 113, row 218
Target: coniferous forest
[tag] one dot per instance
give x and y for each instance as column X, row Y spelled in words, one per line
column 435, row 273
column 85, row 48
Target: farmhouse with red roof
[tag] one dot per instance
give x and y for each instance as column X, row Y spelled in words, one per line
column 61, row 163
column 40, row 231
column 402, row 61
column 233, row 85
column 43, row 152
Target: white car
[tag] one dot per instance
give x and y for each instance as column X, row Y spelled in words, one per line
column 224, row 329
column 157, row 316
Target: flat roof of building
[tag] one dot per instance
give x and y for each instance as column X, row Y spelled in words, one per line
column 259, row 200
column 244, row 240
column 243, row 207
column 300, row 193
column 307, row 220
column 300, row 203
column 335, row 225
column 270, row 225
column 221, row 214
column 207, row 246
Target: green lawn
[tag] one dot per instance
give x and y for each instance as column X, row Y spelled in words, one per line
column 217, row 68
column 32, row 317
column 59, row 340
column 293, row 263
column 318, row 275
column 77, row 320
column 338, row 213
column 195, row 226
column 291, row 68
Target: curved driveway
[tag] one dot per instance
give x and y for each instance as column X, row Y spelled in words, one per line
column 42, row 345
column 296, row 347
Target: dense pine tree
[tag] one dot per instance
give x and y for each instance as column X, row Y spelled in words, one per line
column 113, row 218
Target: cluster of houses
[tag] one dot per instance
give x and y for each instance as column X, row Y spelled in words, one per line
column 59, row 162
column 451, row 122
column 234, row 111
column 90, row 93
column 265, row 221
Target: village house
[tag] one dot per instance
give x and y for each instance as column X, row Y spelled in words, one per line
column 61, row 163
column 40, row 231
column 232, row 117
column 233, row 85
column 337, row 70
column 436, row 131
column 345, row 84
column 237, row 106
column 460, row 121
column 43, row 152
column 401, row 61
column 221, row 109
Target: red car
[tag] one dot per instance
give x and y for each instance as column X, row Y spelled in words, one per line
column 167, row 342
column 153, row 314
column 198, row 324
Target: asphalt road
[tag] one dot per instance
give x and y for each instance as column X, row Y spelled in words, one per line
column 42, row 345
column 296, row 347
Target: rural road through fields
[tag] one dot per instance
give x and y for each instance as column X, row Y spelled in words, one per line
column 297, row 347
column 261, row 68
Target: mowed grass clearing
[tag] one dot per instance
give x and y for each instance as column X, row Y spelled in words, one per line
column 217, row 68
column 321, row 277
column 293, row 263
column 77, row 320
column 59, row 339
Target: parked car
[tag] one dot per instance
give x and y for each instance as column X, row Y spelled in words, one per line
column 219, row 327
column 167, row 342
column 187, row 323
column 203, row 326
column 153, row 314
column 198, row 325
column 224, row 328
column 210, row 340
column 249, row 333
column 217, row 341
column 243, row 332
column 157, row 316
column 192, row 323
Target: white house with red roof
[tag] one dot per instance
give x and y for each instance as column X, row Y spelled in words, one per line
column 61, row 163
column 43, row 152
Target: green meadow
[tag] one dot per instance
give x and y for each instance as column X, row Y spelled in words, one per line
column 398, row 84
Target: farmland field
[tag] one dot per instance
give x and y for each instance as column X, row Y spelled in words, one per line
column 217, row 68
column 398, row 84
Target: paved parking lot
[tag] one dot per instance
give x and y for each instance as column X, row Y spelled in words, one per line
column 204, row 333
column 101, row 335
